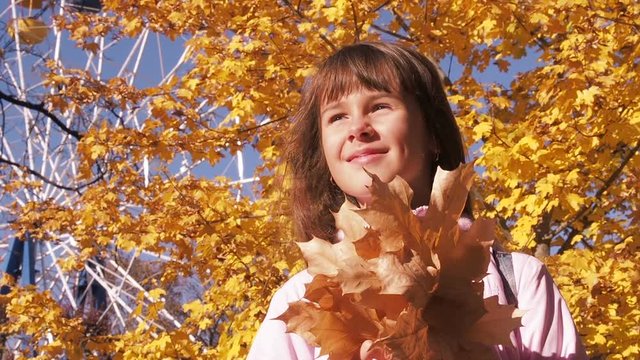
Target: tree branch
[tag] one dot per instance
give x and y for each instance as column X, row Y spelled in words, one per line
column 542, row 44
column 41, row 109
column 355, row 23
column 301, row 16
column 586, row 210
column 261, row 125
column 396, row 35
column 50, row 182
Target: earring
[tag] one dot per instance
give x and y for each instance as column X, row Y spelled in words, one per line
column 437, row 157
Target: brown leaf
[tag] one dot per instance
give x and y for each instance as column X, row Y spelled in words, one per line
column 452, row 315
column 387, row 305
column 342, row 333
column 326, row 258
column 357, row 276
column 321, row 257
column 412, row 279
column 323, row 291
column 448, row 198
column 300, row 317
column 466, row 256
column 347, row 220
column 450, row 189
column 390, row 214
column 368, row 246
column 403, row 275
column 409, row 338
column 496, row 325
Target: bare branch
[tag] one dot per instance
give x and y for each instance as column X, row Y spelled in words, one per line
column 400, row 20
column 51, row 182
column 377, row 8
column 41, row 109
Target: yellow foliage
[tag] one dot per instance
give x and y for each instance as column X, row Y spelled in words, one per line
column 556, row 146
column 28, row 312
column 600, row 287
column 30, row 31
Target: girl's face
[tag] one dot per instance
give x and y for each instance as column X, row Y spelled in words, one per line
column 378, row 131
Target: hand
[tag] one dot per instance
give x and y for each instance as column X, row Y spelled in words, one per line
column 377, row 353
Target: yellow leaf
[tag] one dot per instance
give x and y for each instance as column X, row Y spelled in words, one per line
column 586, row 97
column 575, row 201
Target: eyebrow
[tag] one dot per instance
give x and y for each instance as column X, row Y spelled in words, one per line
column 373, row 96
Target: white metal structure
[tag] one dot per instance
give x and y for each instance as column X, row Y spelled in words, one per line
column 35, row 146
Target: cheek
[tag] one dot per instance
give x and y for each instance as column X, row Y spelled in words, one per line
column 330, row 147
column 416, row 138
column 416, row 149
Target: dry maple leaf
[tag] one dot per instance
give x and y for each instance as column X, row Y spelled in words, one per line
column 324, row 292
column 413, row 279
column 389, row 213
column 301, row 317
column 368, row 246
column 488, row 330
column 341, row 333
column 411, row 284
column 341, row 262
column 352, row 225
column 409, row 337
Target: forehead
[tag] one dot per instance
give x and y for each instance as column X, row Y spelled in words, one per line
column 339, row 79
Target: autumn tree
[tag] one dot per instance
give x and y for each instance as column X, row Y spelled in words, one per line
column 98, row 166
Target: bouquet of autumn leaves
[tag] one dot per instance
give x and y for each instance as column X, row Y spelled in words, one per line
column 410, row 284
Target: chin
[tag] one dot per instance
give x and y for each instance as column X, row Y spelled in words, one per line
column 364, row 200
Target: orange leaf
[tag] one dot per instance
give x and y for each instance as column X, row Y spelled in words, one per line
column 368, row 246
column 413, row 279
column 496, row 325
column 300, row 317
column 466, row 255
column 323, row 291
column 353, row 226
column 389, row 213
column 342, row 333
column 410, row 336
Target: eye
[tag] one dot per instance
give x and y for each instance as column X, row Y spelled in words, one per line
column 336, row 117
column 381, row 106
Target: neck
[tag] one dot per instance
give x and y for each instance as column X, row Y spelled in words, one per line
column 421, row 196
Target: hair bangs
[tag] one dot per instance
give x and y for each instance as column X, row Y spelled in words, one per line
column 355, row 69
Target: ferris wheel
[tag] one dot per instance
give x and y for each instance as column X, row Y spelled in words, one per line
column 42, row 148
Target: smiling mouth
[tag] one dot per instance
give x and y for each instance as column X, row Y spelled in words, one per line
column 366, row 157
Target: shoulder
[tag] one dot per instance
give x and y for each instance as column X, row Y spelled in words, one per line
column 529, row 271
column 526, row 262
column 291, row 291
column 272, row 341
column 547, row 326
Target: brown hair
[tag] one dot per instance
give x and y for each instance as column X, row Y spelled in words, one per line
column 373, row 66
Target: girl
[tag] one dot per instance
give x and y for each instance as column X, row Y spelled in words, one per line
column 383, row 107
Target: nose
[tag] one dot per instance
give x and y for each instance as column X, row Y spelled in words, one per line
column 360, row 128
